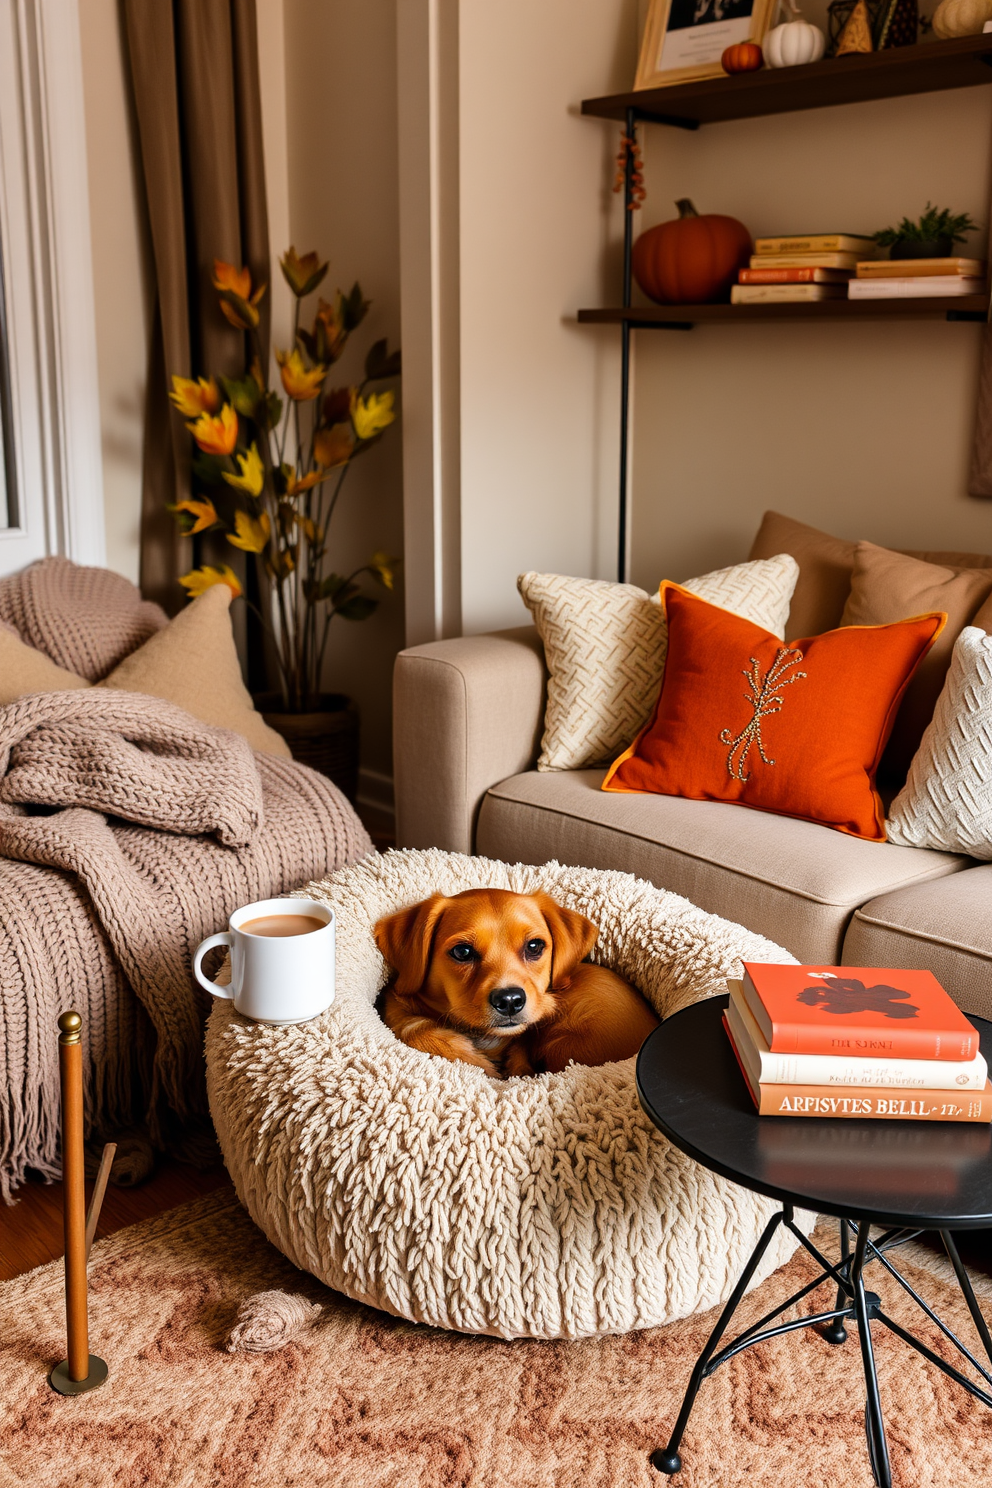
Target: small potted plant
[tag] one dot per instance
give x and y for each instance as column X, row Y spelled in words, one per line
column 269, row 476
column 933, row 236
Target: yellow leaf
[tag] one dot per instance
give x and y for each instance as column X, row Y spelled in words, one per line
column 301, row 383
column 383, row 566
column 252, row 477
column 305, row 482
column 252, row 532
column 201, row 579
column 372, row 414
column 332, row 447
column 193, row 396
column 302, row 274
column 216, row 436
column 203, row 512
column 226, row 276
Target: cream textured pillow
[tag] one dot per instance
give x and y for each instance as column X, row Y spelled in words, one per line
column 947, row 801
column 605, row 645
column 24, row 670
column 194, row 664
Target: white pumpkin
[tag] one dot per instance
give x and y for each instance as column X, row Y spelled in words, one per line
column 960, row 18
column 797, row 42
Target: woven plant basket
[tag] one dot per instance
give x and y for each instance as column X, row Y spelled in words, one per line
column 326, row 740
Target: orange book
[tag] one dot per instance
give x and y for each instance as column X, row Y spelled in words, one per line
column 868, row 1011
column 873, row 1102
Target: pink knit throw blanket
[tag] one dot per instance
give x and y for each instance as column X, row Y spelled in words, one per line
column 128, row 832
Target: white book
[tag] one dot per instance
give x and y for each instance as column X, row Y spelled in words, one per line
column 768, row 1068
column 917, row 288
column 785, row 294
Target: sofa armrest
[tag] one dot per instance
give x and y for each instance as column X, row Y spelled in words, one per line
column 467, row 713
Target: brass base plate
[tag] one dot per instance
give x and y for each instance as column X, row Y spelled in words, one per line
column 60, row 1381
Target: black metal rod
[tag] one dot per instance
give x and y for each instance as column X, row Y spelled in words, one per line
column 964, row 1282
column 928, row 1353
column 878, row 1448
column 668, row 1460
column 747, row 1335
column 897, row 1275
column 746, row 1341
column 628, row 249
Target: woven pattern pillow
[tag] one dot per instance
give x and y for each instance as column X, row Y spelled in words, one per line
column 946, row 802
column 797, row 729
column 605, row 644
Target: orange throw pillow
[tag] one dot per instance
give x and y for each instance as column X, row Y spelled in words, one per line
column 796, row 729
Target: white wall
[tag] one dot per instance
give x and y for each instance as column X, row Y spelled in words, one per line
column 862, row 429
column 539, row 230
column 122, row 298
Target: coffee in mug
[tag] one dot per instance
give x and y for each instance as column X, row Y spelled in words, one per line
column 282, row 960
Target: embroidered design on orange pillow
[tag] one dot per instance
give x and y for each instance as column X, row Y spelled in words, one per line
column 766, row 697
column 818, row 714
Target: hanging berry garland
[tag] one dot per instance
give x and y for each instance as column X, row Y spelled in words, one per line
column 630, row 148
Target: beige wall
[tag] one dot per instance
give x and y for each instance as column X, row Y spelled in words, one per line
column 121, row 297
column 343, row 194
column 539, row 232
column 861, row 429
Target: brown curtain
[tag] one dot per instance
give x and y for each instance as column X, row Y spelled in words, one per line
column 194, row 67
column 980, row 474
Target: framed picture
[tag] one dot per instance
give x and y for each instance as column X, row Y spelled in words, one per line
column 685, row 39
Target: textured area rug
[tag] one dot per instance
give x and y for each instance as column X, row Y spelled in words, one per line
column 370, row 1401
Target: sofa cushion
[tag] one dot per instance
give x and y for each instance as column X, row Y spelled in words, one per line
column 793, row 881
column 945, row 926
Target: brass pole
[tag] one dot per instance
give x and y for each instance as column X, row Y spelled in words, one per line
column 80, row 1371
column 74, row 1195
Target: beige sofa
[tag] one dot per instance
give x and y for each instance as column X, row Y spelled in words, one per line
column 468, row 722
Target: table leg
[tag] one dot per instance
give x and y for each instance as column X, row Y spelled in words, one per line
column 964, row 1282
column 667, row 1459
column 865, row 1306
column 836, row 1332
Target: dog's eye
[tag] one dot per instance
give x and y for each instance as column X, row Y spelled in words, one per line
column 462, row 952
column 534, row 949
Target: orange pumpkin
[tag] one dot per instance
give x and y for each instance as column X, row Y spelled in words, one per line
column 691, row 260
column 744, row 57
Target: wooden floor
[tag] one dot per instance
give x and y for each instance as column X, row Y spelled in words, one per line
column 31, row 1229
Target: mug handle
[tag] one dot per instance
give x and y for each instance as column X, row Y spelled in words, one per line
column 223, row 938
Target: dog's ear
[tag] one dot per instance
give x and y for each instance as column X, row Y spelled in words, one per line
column 572, row 938
column 405, row 941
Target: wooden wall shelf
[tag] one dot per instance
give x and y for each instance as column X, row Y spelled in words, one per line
column 929, row 67
column 668, row 317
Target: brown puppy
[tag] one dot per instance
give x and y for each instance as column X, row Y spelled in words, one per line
column 498, row 980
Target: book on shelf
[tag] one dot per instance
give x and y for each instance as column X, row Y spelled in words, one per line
column 934, row 286
column 805, row 260
column 766, row 1067
column 817, row 243
column 807, row 275
column 914, row 268
column 866, row 1102
column 861, row 1011
column 785, row 294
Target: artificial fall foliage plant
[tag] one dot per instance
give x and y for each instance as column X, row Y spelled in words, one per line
column 269, row 475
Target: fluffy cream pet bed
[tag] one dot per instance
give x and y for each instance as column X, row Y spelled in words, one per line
column 544, row 1207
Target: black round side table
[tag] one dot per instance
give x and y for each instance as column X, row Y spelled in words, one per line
column 906, row 1176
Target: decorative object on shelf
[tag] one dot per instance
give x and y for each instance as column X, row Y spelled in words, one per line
column 961, row 18
column 270, row 481
column 839, row 13
column 686, row 39
column 795, row 42
column 745, row 56
column 932, row 236
column 691, row 260
column 900, row 26
column 630, row 149
column 856, row 35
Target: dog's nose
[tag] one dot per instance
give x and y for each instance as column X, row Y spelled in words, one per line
column 507, row 1000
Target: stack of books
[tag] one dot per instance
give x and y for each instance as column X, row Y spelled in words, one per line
column 917, row 278
column 789, row 270
column 855, row 1041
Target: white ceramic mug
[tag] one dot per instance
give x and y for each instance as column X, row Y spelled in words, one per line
column 276, row 978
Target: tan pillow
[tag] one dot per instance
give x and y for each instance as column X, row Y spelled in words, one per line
column 194, row 664
column 886, row 587
column 24, row 670
column 825, row 567
column 605, row 647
